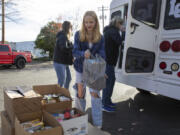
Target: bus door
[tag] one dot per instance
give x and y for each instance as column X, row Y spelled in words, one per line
column 141, row 36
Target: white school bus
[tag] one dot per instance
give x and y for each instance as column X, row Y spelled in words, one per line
column 150, row 57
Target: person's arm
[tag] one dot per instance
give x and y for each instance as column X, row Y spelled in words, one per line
column 116, row 37
column 77, row 49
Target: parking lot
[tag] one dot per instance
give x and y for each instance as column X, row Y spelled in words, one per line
column 136, row 114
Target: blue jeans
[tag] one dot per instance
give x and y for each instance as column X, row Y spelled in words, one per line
column 96, row 104
column 110, row 81
column 63, row 74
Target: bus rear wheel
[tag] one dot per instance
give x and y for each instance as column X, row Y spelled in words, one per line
column 142, row 91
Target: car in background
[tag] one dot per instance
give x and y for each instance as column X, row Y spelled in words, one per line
column 9, row 57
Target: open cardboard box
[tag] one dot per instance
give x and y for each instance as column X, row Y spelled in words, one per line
column 43, row 116
column 18, row 102
column 54, row 89
column 74, row 126
column 7, row 128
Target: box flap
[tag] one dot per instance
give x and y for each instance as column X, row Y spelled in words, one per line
column 58, row 106
column 60, row 110
column 16, row 94
column 29, row 116
column 19, row 93
column 7, row 128
column 64, row 91
column 31, row 94
column 20, row 90
column 13, row 94
column 47, row 119
column 77, row 125
column 51, row 89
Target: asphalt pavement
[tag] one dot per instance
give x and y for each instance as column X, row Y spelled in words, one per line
column 136, row 114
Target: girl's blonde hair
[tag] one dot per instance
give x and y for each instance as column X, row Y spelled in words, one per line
column 96, row 31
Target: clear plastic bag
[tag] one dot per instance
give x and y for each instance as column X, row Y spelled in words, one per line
column 94, row 72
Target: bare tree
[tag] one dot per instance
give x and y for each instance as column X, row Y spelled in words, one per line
column 74, row 17
column 11, row 13
column 76, row 20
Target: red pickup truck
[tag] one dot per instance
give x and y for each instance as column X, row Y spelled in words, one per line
column 8, row 57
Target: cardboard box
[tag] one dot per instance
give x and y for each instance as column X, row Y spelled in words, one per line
column 45, row 117
column 74, row 126
column 54, row 89
column 7, row 127
column 19, row 102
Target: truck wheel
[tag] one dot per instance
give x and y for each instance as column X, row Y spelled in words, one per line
column 20, row 63
column 143, row 91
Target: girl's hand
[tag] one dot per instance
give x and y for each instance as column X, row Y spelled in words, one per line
column 106, row 76
column 87, row 54
column 122, row 28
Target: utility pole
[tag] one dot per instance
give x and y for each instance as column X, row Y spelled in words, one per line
column 103, row 17
column 3, row 22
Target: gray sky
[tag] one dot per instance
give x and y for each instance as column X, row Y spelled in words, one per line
column 36, row 13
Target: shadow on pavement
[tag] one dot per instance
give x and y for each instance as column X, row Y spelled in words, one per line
column 10, row 68
column 145, row 115
column 35, row 65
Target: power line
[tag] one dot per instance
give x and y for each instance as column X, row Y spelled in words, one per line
column 3, row 24
column 103, row 16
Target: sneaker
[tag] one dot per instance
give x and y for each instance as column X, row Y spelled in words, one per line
column 108, row 109
column 112, row 105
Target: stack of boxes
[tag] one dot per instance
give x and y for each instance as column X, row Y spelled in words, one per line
column 16, row 103
column 21, row 107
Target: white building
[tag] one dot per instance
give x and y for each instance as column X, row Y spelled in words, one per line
column 28, row 46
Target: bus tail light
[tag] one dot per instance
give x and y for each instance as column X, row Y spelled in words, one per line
column 176, row 46
column 178, row 74
column 165, row 46
column 162, row 65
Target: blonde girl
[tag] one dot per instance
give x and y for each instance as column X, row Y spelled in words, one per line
column 88, row 41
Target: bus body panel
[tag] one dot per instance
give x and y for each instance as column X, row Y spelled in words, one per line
column 157, row 85
column 158, row 81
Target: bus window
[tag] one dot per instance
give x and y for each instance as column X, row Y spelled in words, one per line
column 122, row 12
column 117, row 13
column 147, row 11
column 172, row 16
